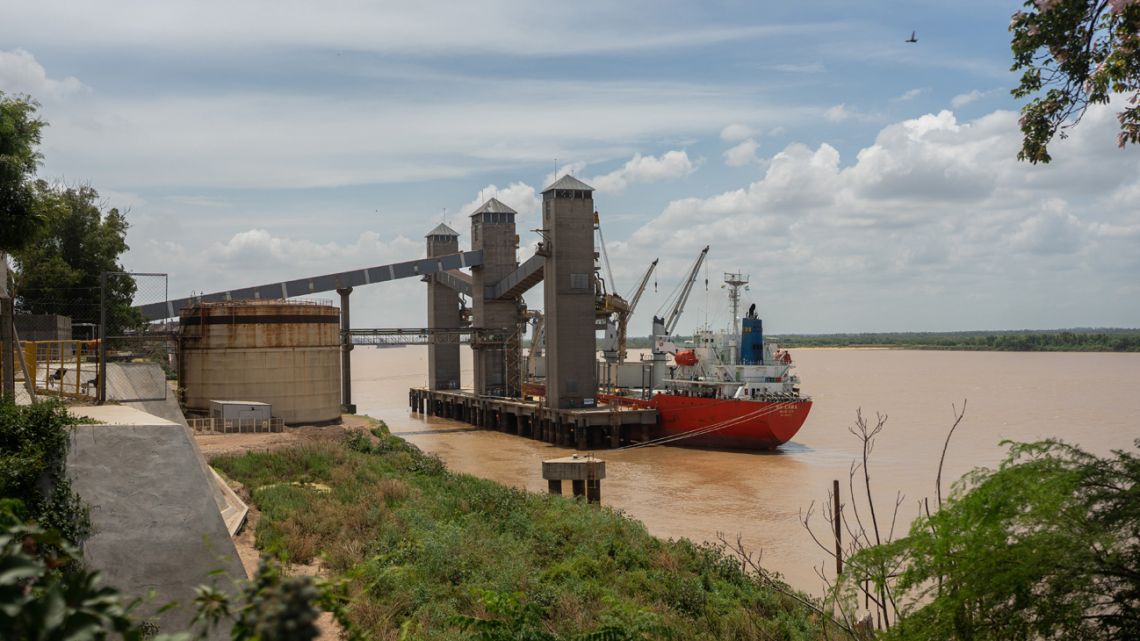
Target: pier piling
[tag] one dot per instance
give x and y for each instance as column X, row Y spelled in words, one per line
column 585, row 474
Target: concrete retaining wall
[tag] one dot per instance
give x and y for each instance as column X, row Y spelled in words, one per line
column 157, row 527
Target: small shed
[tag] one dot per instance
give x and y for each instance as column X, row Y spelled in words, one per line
column 240, row 410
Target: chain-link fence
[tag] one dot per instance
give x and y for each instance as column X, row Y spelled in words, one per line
column 137, row 354
column 56, row 332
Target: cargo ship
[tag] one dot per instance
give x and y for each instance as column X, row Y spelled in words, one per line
column 710, row 399
column 727, row 390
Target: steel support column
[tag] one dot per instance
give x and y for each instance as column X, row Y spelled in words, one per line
column 346, row 404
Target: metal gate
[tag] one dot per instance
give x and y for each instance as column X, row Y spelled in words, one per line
column 136, row 355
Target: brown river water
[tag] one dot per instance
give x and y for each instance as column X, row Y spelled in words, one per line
column 1088, row 399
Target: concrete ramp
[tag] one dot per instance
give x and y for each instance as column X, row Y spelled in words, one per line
column 135, row 381
column 156, row 524
column 129, row 381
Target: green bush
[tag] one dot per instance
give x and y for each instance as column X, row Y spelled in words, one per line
column 34, row 440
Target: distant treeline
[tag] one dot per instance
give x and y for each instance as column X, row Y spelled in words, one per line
column 1060, row 340
column 1048, row 340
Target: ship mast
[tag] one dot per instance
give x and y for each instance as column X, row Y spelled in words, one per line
column 734, row 281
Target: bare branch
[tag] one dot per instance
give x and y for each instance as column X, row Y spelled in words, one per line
column 895, row 515
column 957, row 419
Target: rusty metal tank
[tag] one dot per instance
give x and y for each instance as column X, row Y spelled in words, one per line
column 285, row 353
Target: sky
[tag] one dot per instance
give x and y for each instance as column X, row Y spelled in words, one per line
column 862, row 182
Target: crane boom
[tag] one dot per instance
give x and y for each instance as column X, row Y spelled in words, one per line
column 641, row 288
column 618, row 324
column 675, row 314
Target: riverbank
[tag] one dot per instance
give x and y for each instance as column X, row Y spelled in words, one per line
column 423, row 549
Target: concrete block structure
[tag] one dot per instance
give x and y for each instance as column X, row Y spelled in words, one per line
column 443, row 312
column 585, row 474
column 568, row 221
column 493, row 232
column 157, row 525
column 43, row 327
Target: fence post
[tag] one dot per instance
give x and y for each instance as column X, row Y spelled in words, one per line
column 102, row 367
column 7, row 342
column 7, row 351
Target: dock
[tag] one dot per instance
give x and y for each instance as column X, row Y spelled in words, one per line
column 603, row 427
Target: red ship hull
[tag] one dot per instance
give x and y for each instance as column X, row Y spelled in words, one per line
column 747, row 424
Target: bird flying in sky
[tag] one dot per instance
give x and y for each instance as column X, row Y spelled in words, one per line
column 912, row 38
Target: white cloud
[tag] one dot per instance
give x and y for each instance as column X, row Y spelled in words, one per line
column 838, row 113
column 935, row 215
column 518, row 196
column 263, row 140
column 736, row 132
column 842, row 113
column 799, row 67
column 260, row 256
column 911, row 94
column 21, row 73
column 1053, row 231
column 963, row 99
column 123, row 200
column 645, row 169
column 574, row 169
column 357, row 25
column 197, row 201
column 742, row 154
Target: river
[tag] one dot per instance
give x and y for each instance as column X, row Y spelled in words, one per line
column 1089, row 399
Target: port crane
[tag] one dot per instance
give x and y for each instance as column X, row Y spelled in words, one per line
column 664, row 326
column 613, row 346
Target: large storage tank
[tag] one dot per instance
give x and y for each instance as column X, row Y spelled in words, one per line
column 279, row 352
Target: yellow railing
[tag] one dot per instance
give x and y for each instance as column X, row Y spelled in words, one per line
column 62, row 368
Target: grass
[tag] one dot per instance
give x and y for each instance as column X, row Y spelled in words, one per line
column 422, row 548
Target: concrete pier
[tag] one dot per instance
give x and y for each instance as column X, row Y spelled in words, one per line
column 585, row 474
column 584, row 429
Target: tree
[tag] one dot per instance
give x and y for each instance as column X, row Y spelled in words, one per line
column 19, row 138
column 1047, row 546
column 1072, row 54
column 59, row 273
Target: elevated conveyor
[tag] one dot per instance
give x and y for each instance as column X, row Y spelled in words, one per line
column 519, row 281
column 455, row 280
column 326, row 283
column 413, row 336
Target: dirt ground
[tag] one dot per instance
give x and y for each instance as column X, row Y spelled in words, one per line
column 215, row 444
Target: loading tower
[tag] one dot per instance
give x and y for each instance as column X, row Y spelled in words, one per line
column 443, row 311
column 569, row 290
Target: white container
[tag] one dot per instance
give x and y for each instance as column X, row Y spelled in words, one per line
column 240, row 410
